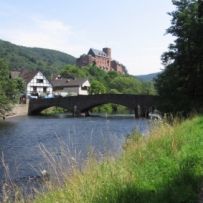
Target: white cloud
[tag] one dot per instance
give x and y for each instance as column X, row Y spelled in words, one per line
column 53, row 34
column 53, row 26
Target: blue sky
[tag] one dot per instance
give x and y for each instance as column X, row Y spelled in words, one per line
column 135, row 30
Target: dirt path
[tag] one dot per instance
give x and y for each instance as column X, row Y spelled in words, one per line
column 18, row 110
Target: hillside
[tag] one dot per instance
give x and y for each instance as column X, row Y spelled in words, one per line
column 148, row 77
column 46, row 60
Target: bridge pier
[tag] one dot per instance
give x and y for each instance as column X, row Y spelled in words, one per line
column 137, row 111
column 78, row 114
column 145, row 112
column 87, row 113
column 141, row 111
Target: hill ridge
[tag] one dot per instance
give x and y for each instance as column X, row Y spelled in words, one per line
column 32, row 58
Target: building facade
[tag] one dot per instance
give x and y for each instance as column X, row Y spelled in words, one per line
column 36, row 83
column 101, row 59
column 40, row 85
column 70, row 87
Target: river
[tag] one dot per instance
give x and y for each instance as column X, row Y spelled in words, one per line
column 21, row 140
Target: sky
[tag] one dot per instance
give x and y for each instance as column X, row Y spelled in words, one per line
column 135, row 30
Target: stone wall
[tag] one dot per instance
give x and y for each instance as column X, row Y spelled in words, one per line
column 118, row 67
column 104, row 63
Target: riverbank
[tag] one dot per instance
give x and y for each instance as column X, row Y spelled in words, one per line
column 21, row 138
column 165, row 167
column 18, row 110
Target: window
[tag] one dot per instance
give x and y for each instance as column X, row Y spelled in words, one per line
column 44, row 89
column 84, row 88
column 40, row 80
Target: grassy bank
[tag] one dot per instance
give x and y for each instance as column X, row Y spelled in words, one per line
column 165, row 167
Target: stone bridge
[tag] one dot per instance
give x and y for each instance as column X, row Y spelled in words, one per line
column 141, row 104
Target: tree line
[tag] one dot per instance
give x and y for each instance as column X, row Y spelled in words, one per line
column 9, row 89
column 109, row 82
column 180, row 85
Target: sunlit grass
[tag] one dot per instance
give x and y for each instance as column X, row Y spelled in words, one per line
column 166, row 166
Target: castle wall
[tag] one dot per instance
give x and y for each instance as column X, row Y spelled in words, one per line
column 103, row 62
column 118, row 67
column 85, row 60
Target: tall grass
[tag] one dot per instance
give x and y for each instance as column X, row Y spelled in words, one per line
column 166, row 166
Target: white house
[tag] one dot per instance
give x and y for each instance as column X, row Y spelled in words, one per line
column 36, row 82
column 71, row 87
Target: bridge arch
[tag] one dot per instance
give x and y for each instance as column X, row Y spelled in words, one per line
column 53, row 109
column 83, row 103
column 39, row 110
column 91, row 106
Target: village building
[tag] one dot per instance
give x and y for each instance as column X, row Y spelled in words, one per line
column 101, row 59
column 70, row 86
column 36, row 83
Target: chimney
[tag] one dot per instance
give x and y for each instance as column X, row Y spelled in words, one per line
column 107, row 51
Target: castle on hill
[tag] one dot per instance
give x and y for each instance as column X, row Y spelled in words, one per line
column 101, row 59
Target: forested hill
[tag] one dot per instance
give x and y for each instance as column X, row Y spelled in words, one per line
column 46, row 60
column 148, row 77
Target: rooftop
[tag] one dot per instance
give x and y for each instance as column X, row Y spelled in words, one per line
column 63, row 82
column 97, row 52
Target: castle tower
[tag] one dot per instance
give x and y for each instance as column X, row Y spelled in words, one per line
column 107, row 51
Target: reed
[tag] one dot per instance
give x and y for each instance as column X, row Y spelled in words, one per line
column 166, row 166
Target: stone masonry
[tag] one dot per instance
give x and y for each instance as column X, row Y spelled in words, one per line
column 101, row 59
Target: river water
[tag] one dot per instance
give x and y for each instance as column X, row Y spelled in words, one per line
column 22, row 138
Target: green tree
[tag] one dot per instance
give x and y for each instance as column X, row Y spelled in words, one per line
column 97, row 88
column 96, row 73
column 181, row 84
column 113, row 91
column 74, row 71
column 126, row 84
column 8, row 89
column 148, row 88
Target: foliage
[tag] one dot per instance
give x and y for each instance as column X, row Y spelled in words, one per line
column 180, row 85
column 48, row 61
column 149, row 77
column 20, row 85
column 126, row 84
column 165, row 167
column 109, row 82
column 148, row 88
column 97, row 87
column 105, row 108
column 71, row 70
column 9, row 89
column 52, row 111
